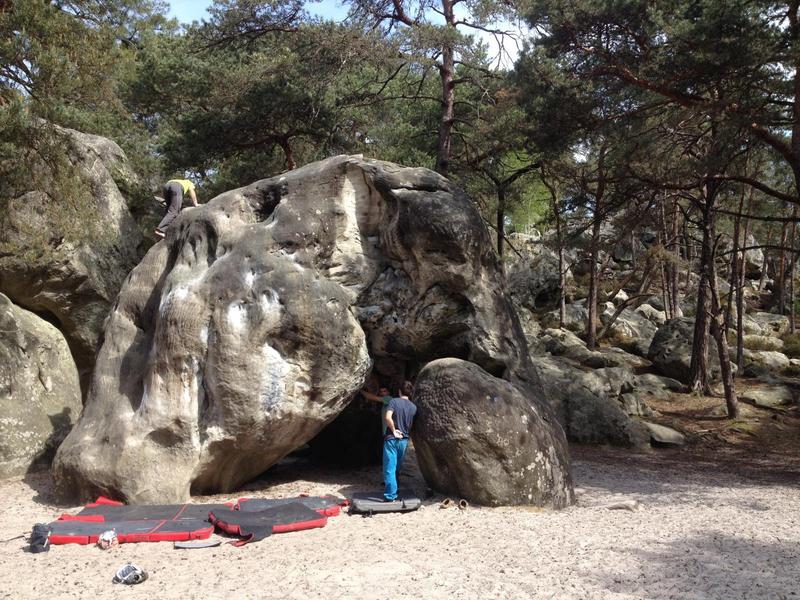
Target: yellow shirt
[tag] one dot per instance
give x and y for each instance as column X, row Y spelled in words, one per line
column 185, row 184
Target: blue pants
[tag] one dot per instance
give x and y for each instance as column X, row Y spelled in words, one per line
column 394, row 451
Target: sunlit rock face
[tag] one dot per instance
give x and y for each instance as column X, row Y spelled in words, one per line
column 40, row 398
column 246, row 331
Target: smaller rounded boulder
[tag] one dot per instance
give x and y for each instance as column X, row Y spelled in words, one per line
column 483, row 439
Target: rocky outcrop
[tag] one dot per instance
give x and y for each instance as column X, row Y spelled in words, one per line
column 589, row 404
column 769, row 396
column 671, row 351
column 655, row 316
column 632, row 327
column 72, row 277
column 575, row 317
column 40, row 398
column 770, row 359
column 533, row 274
column 482, row 438
column 245, row 332
column 762, row 323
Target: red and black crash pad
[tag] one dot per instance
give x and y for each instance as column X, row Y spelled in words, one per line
column 100, row 513
column 327, row 505
column 87, row 532
column 253, row 526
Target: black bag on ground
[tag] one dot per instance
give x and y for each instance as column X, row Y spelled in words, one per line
column 40, row 538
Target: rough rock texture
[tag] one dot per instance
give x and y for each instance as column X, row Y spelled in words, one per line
column 74, row 286
column 589, row 403
column 575, row 317
column 769, row 395
column 245, row 332
column 658, row 386
column 562, row 342
column 40, row 398
column 632, row 326
column 774, row 361
column 655, row 316
column 483, row 439
column 663, row 435
column 533, row 274
column 761, row 342
column 770, row 324
column 671, row 351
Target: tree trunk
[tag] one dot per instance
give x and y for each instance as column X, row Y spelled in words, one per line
column 718, row 332
column 740, row 295
column 765, row 262
column 501, row 222
column 781, row 276
column 675, row 247
column 699, row 364
column 591, row 326
column 286, row 146
column 447, row 73
column 793, row 259
column 734, row 274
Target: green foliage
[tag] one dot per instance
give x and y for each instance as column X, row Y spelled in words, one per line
column 64, row 64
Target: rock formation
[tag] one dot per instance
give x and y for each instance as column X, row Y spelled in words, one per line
column 671, row 351
column 40, row 397
column 245, row 332
column 480, row 438
column 74, row 284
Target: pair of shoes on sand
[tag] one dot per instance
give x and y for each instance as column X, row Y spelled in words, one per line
column 130, row 574
column 448, row 503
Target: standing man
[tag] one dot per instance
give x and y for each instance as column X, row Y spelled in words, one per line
column 174, row 191
column 399, row 419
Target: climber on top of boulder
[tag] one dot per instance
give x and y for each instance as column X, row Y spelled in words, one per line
column 173, row 192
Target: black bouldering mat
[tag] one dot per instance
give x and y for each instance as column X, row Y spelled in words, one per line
column 252, row 526
column 373, row 503
column 87, row 532
column 143, row 512
column 328, row 505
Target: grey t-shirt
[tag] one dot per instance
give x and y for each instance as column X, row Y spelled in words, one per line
column 403, row 412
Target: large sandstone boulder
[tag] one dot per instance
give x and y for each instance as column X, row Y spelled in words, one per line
column 245, row 332
column 72, row 272
column 40, row 398
column 671, row 351
column 483, row 439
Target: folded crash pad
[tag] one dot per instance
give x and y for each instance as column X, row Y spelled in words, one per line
column 252, row 526
column 373, row 502
column 328, row 505
column 87, row 532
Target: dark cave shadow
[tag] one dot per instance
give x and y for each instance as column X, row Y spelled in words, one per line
column 346, row 480
column 38, row 475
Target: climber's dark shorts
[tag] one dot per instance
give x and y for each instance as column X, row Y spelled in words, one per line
column 173, row 200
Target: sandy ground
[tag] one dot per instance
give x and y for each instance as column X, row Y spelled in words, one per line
column 700, row 533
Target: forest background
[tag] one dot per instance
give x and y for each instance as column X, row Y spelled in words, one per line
column 581, row 123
